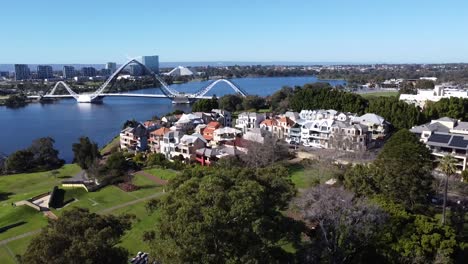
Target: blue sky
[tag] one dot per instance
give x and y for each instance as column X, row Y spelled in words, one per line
column 96, row 31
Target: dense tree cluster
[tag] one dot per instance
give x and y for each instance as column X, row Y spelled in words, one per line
column 85, row 152
column 79, row 236
column 225, row 216
column 451, row 107
column 40, row 156
column 205, row 105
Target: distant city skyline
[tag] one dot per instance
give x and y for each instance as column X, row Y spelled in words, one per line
column 359, row 31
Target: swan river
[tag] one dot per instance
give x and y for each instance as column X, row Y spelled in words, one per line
column 66, row 120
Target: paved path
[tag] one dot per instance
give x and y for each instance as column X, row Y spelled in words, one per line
column 110, row 209
column 8, row 240
column 50, row 215
column 153, row 178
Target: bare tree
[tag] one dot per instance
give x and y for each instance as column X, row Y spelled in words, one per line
column 345, row 224
column 261, row 155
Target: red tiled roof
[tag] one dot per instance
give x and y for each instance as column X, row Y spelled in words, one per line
column 239, row 142
column 213, row 124
column 160, row 132
column 270, row 122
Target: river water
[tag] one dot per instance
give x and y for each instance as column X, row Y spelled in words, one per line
column 66, row 120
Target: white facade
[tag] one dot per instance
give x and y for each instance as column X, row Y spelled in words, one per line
column 439, row 92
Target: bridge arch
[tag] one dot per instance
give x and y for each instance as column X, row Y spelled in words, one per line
column 205, row 90
column 166, row 89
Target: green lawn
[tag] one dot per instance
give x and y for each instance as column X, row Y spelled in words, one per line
column 23, row 186
column 132, row 240
column 379, row 94
column 114, row 142
column 162, row 173
column 304, row 176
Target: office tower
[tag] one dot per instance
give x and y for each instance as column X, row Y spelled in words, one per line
column 136, row 70
column 44, row 72
column 88, row 71
column 22, row 72
column 152, row 62
column 112, row 66
column 105, row 72
column 68, row 72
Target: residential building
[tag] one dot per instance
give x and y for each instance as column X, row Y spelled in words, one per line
column 222, row 116
column 445, row 136
column 155, row 138
column 188, row 122
column 208, row 132
column 256, row 135
column 208, row 156
column 88, row 71
column 187, row 146
column 44, row 72
column 134, row 138
column 225, row 134
column 170, row 140
column 376, row 124
column 22, row 72
column 112, row 66
column 349, row 137
column 278, row 126
column 316, row 133
column 68, row 72
column 151, row 62
column 248, row 120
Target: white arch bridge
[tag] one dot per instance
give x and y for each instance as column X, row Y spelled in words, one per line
column 167, row 91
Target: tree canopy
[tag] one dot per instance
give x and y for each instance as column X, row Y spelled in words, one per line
column 79, row 236
column 224, row 216
column 85, row 152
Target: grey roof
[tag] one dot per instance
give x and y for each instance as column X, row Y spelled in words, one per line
column 435, row 127
column 446, row 119
column 461, row 126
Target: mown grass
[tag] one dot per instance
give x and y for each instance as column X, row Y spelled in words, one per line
column 311, row 173
column 379, row 94
column 162, row 173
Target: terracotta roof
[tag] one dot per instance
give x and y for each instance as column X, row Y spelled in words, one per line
column 269, row 122
column 213, row 124
column 239, row 142
column 161, row 131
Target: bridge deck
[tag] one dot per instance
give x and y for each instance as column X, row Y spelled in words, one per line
column 118, row 95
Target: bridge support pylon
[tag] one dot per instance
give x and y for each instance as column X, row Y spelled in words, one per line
column 181, row 100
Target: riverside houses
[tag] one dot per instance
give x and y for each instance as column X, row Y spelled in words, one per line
column 202, row 137
column 445, row 136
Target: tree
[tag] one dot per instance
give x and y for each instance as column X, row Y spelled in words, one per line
column 424, row 84
column 361, row 180
column 224, row 216
column 403, row 170
column 19, row 161
column 413, row 238
column 253, row 102
column 130, row 123
column 346, row 225
column 264, row 154
column 280, row 99
column 45, row 156
column 79, row 236
column 448, row 165
column 16, row 100
column 231, row 102
column 205, row 105
column 85, row 152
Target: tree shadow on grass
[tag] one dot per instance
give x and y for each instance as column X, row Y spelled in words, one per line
column 147, row 186
column 5, row 195
column 6, row 228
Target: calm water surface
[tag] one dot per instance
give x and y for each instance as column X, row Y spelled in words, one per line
column 66, row 120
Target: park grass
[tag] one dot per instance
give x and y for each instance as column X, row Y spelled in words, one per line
column 113, row 143
column 379, row 94
column 17, row 187
column 162, row 173
column 133, row 239
column 305, row 176
column 5, row 256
